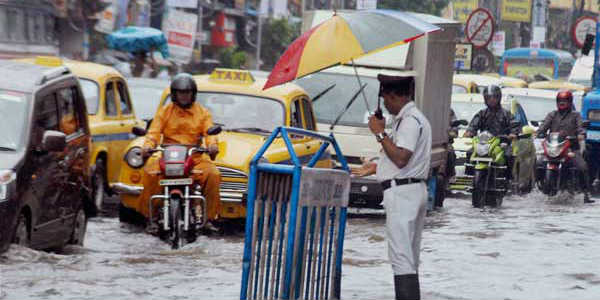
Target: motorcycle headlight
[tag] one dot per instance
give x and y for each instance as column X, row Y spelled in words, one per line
column 6, row 177
column 174, row 169
column 134, row 157
column 553, row 151
column 483, row 149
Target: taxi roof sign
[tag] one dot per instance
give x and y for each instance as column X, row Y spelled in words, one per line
column 48, row 61
column 232, row 76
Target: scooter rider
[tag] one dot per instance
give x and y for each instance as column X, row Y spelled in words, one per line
column 183, row 122
column 569, row 123
column 495, row 119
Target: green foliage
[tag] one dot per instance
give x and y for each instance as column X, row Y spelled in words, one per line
column 233, row 58
column 277, row 34
column 433, row 7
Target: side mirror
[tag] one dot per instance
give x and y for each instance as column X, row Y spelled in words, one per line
column 588, row 44
column 586, row 124
column 138, row 131
column 535, row 123
column 214, row 130
column 457, row 123
column 54, row 141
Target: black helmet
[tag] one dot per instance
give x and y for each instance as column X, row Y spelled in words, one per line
column 183, row 82
column 492, row 91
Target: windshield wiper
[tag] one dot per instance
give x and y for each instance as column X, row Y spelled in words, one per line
column 323, row 93
column 347, row 106
column 6, row 149
column 251, row 129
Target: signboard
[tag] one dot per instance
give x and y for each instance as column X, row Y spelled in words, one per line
column 539, row 34
column 180, row 29
column 366, row 4
column 480, row 28
column 107, row 18
column 463, row 8
column 499, row 43
column 583, row 26
column 183, row 3
column 516, row 10
column 463, row 57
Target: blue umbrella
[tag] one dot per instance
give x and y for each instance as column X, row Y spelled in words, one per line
column 138, row 39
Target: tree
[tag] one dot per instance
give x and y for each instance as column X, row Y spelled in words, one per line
column 277, row 34
column 432, row 7
column 233, row 58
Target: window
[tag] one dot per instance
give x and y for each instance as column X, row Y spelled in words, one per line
column 458, row 89
column 110, row 106
column 46, row 114
column 295, row 115
column 308, row 115
column 91, row 92
column 69, row 122
column 124, row 98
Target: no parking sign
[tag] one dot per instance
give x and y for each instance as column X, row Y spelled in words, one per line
column 480, row 28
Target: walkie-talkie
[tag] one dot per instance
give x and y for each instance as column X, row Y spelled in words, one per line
column 378, row 113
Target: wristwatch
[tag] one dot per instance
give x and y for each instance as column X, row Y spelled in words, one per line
column 380, row 136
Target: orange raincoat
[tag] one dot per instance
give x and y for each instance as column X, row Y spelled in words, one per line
column 177, row 125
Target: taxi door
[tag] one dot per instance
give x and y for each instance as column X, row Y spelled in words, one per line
column 114, row 130
column 127, row 121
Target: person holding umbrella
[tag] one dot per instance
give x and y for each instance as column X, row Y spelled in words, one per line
column 402, row 169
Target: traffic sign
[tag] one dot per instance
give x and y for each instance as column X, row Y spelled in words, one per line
column 583, row 26
column 480, row 26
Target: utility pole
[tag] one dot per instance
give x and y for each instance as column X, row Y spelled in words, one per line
column 259, row 35
column 199, row 29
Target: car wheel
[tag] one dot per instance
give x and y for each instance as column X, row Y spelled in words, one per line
column 79, row 228
column 21, row 236
column 99, row 185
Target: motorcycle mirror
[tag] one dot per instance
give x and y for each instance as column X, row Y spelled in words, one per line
column 586, row 124
column 138, row 131
column 214, row 130
column 535, row 123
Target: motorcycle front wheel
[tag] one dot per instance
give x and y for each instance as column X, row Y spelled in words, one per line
column 550, row 182
column 478, row 194
column 176, row 224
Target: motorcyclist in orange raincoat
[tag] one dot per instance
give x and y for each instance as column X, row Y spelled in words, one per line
column 183, row 122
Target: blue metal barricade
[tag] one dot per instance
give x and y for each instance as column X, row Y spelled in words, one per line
column 295, row 223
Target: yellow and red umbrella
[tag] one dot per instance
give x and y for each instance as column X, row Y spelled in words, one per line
column 344, row 37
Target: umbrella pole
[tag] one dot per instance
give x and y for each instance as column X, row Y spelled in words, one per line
column 360, row 85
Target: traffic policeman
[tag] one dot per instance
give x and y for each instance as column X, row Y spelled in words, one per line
column 402, row 169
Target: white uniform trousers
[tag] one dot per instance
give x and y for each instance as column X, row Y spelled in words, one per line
column 405, row 208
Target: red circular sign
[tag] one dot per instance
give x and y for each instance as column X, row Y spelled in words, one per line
column 583, row 26
column 479, row 29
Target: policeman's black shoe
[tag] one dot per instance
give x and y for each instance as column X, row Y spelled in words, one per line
column 407, row 287
column 152, row 228
column 586, row 199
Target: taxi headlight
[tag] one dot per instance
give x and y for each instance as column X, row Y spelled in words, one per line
column 6, row 177
column 134, row 157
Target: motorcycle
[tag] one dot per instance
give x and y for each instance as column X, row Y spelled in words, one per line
column 558, row 172
column 487, row 167
column 177, row 221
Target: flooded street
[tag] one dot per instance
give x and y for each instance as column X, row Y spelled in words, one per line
column 531, row 248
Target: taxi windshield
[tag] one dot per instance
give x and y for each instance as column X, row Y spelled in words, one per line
column 13, row 116
column 235, row 111
column 91, row 92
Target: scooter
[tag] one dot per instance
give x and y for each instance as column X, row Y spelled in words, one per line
column 488, row 168
column 558, row 172
column 177, row 221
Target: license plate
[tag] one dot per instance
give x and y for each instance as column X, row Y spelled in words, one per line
column 486, row 159
column 593, row 135
column 461, row 154
column 183, row 181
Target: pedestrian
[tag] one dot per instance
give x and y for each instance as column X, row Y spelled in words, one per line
column 402, row 169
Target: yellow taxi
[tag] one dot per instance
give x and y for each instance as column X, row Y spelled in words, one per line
column 472, row 83
column 558, row 85
column 111, row 118
column 248, row 115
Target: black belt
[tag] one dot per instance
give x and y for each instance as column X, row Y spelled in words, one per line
column 388, row 183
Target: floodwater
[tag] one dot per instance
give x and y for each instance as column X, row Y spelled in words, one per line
column 531, row 248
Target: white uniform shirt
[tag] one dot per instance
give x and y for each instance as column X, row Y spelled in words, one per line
column 411, row 131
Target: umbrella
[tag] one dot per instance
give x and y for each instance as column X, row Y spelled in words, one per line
column 344, row 37
column 138, row 39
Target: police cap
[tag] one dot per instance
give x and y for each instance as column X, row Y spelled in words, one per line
column 402, row 85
